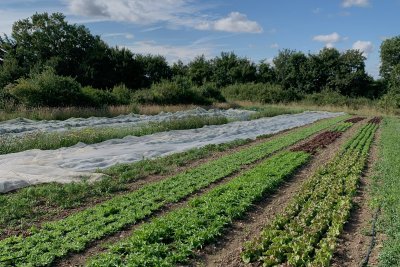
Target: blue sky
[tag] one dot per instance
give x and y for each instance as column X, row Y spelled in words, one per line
column 257, row 29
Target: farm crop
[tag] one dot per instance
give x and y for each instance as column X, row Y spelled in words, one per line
column 386, row 191
column 169, row 240
column 305, row 234
column 56, row 239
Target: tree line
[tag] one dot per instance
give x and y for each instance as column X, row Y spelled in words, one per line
column 47, row 61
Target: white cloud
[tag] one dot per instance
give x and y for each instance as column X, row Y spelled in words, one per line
column 126, row 35
column 137, row 11
column 234, row 22
column 274, row 45
column 366, row 47
column 358, row 3
column 172, row 53
column 174, row 13
column 328, row 39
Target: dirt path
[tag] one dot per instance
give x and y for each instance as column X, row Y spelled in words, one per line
column 355, row 240
column 227, row 251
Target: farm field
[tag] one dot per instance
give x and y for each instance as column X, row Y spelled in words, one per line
column 290, row 190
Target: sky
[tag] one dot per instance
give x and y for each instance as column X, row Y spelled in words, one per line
column 256, row 29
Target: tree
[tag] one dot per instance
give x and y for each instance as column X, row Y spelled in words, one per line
column 390, row 57
column 230, row 69
column 265, row 72
column 200, row 70
column 155, row 68
column 291, row 70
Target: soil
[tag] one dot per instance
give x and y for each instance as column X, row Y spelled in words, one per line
column 226, row 252
column 354, row 242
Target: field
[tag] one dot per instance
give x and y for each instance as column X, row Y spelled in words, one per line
column 267, row 187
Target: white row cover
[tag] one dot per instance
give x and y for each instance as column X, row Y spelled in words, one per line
column 22, row 126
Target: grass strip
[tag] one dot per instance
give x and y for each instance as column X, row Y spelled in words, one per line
column 386, row 191
column 169, row 240
column 91, row 135
column 305, row 234
column 74, row 233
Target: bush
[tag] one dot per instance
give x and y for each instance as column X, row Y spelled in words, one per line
column 122, row 94
column 391, row 100
column 334, row 98
column 258, row 92
column 97, row 98
column 210, row 92
column 46, row 89
column 178, row 91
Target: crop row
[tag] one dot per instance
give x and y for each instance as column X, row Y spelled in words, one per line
column 171, row 239
column 74, row 233
column 305, row 234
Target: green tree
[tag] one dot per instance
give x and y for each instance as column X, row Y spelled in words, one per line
column 155, row 68
column 390, row 57
column 200, row 70
column 230, row 69
column 265, row 72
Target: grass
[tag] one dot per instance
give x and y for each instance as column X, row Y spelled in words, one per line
column 54, row 140
column 386, row 191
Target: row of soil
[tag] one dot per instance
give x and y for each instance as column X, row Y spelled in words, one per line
column 278, row 144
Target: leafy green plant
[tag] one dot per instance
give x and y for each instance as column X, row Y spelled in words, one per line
column 171, row 239
column 305, row 233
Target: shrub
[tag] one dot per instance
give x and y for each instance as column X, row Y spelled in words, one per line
column 122, row 94
column 258, row 92
column 46, row 89
column 210, row 92
column 334, row 98
column 391, row 100
column 97, row 98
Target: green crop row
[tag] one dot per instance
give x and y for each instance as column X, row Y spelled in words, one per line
column 171, row 239
column 305, row 233
column 74, row 233
column 341, row 127
column 386, row 191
